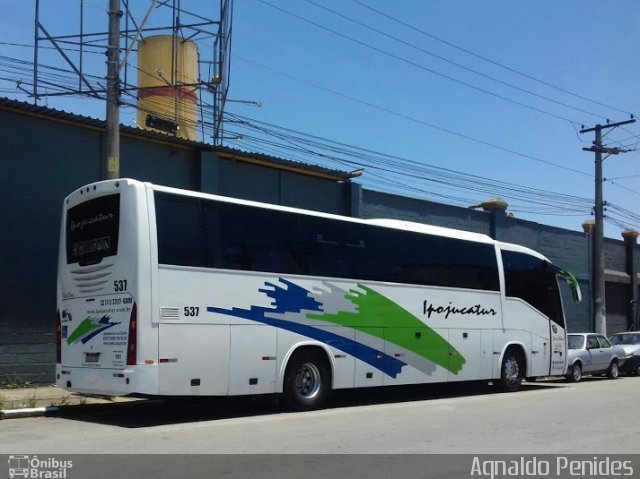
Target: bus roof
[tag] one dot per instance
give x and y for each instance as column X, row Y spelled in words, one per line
column 430, row 229
column 386, row 223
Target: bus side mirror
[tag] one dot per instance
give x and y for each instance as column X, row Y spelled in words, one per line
column 576, row 293
column 572, row 281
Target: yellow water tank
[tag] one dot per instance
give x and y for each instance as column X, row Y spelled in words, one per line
column 167, row 79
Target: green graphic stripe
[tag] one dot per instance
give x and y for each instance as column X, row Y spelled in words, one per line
column 83, row 328
column 380, row 317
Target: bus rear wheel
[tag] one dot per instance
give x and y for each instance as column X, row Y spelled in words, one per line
column 307, row 381
column 511, row 371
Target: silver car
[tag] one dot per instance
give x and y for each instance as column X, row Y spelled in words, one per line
column 591, row 353
column 630, row 342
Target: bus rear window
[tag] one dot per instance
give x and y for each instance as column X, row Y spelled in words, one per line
column 92, row 230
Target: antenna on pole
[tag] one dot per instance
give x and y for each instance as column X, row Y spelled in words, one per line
column 211, row 30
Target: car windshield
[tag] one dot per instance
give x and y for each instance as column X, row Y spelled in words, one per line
column 627, row 338
column 576, row 342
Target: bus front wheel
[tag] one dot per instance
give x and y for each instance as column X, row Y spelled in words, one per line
column 307, row 381
column 511, row 371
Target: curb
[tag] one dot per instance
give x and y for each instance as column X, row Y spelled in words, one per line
column 60, row 410
column 29, row 412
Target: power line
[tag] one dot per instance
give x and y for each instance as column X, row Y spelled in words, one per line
column 624, row 177
column 451, row 62
column 416, row 120
column 362, row 157
column 408, row 166
column 486, row 59
column 623, row 187
column 417, row 65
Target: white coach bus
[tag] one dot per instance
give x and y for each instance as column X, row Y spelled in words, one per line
column 166, row 292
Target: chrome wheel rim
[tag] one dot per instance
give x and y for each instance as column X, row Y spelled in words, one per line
column 307, row 380
column 614, row 370
column 577, row 373
column 511, row 370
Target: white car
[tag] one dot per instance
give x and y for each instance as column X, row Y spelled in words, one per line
column 630, row 342
column 591, row 353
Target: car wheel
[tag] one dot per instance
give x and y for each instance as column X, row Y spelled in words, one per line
column 511, row 371
column 575, row 374
column 307, row 381
column 613, row 372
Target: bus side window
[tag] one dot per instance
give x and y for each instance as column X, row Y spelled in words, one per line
column 236, row 257
column 180, row 232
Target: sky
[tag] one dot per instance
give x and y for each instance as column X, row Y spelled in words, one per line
column 453, row 101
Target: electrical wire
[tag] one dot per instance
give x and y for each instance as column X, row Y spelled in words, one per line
column 416, row 120
column 390, row 173
column 417, row 65
column 486, row 59
column 451, row 62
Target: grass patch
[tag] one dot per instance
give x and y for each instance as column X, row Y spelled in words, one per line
column 29, row 402
column 62, row 402
column 15, row 382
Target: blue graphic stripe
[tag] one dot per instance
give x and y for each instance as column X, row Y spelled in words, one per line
column 87, row 338
column 387, row 364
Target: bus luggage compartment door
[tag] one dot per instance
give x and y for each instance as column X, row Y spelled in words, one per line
column 194, row 359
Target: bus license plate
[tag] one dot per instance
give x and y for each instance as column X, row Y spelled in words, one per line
column 91, row 357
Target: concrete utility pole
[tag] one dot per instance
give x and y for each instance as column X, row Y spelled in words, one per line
column 597, row 271
column 111, row 155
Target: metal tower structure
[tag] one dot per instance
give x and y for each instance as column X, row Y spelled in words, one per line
column 79, row 52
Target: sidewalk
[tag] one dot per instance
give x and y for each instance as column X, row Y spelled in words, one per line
column 45, row 396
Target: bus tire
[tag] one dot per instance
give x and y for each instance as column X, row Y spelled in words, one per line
column 307, row 381
column 511, row 371
column 613, row 372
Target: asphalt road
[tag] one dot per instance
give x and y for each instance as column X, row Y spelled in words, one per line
column 596, row 416
column 418, row 432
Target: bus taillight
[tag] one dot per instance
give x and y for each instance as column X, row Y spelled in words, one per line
column 132, row 344
column 58, row 339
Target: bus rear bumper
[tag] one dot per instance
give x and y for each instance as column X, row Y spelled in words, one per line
column 141, row 379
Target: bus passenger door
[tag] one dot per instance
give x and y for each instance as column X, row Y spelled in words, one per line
column 558, row 350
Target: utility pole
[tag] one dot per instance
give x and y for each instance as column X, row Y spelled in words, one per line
column 111, row 154
column 597, row 271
